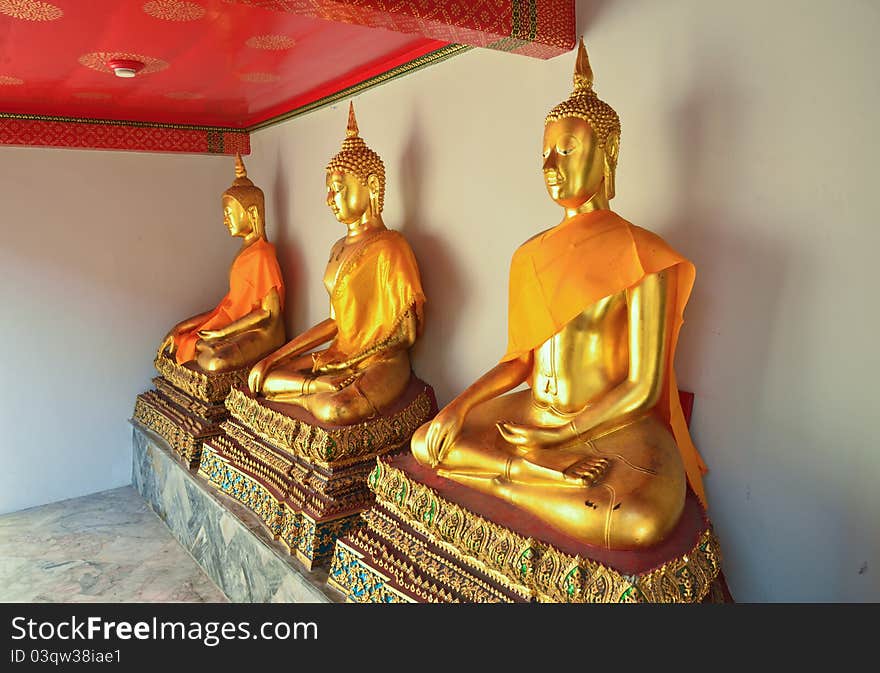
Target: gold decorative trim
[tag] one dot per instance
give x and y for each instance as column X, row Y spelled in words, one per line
column 335, row 447
column 229, row 448
column 421, row 574
column 118, row 122
column 210, row 387
column 178, row 436
column 423, row 61
column 530, row 567
column 254, row 447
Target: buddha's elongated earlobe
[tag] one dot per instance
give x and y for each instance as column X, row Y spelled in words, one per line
column 612, row 151
column 375, row 191
column 253, row 213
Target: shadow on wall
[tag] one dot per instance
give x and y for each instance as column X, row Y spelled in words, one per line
column 290, row 256
column 740, row 288
column 768, row 499
column 441, row 278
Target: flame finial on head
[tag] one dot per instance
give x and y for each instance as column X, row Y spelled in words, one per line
column 583, row 73
column 352, row 130
column 240, row 170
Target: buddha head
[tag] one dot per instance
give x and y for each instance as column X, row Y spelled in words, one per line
column 244, row 205
column 581, row 142
column 355, row 178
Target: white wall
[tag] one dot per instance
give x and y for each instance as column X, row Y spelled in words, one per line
column 100, row 253
column 749, row 141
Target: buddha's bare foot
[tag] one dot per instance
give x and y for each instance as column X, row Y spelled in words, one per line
column 559, row 468
column 587, row 471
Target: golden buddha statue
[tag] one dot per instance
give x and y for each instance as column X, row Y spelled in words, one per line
column 248, row 322
column 597, row 447
column 376, row 302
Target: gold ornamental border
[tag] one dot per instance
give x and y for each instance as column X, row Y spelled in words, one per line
column 181, row 439
column 330, row 448
column 120, row 122
column 210, row 387
column 534, row 568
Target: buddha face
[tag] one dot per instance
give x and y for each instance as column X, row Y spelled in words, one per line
column 574, row 162
column 347, row 197
column 236, row 218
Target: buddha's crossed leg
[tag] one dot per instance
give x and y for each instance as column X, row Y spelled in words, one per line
column 343, row 397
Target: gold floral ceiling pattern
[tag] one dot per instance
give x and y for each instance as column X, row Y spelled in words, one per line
column 174, row 10
column 30, row 10
column 271, row 42
column 258, row 77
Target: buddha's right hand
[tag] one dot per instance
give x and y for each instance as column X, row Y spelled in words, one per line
column 168, row 345
column 443, row 431
column 258, row 374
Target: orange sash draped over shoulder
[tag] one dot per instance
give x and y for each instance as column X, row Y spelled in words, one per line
column 252, row 276
column 377, row 284
column 558, row 274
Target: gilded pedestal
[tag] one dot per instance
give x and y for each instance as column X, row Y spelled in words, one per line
column 186, row 408
column 427, row 539
column 304, row 479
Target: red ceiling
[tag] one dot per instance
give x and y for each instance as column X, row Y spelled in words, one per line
column 208, row 62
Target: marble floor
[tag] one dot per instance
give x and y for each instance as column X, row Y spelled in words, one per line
column 106, row 547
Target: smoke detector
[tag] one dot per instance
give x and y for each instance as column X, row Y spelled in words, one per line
column 124, row 67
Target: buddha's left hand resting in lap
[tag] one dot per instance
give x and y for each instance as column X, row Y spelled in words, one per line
column 376, row 302
column 248, row 321
column 597, row 447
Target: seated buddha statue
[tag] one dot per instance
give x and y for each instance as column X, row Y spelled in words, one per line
column 596, row 446
column 376, row 302
column 248, row 322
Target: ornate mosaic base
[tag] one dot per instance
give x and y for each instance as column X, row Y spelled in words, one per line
column 310, row 540
column 187, row 406
column 209, row 387
column 336, row 446
column 306, row 483
column 419, row 547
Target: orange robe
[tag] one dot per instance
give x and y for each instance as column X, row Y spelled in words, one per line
column 377, row 284
column 252, row 276
column 557, row 275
